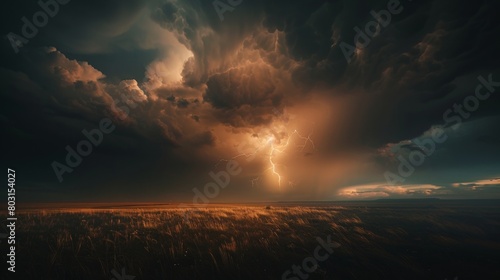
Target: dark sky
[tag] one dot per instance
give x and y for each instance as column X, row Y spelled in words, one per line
column 313, row 100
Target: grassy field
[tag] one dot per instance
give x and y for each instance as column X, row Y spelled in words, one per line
column 377, row 241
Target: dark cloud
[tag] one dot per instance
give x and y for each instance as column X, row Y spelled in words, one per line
column 245, row 76
column 196, row 118
column 251, row 85
column 182, row 103
column 204, row 138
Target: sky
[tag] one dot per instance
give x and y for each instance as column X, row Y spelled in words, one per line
column 246, row 101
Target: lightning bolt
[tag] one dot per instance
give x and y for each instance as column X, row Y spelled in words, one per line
column 273, row 165
column 246, row 155
column 307, row 139
column 275, row 148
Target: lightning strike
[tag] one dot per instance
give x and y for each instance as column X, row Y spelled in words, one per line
column 306, row 140
column 273, row 165
column 282, row 149
column 246, row 155
column 274, row 150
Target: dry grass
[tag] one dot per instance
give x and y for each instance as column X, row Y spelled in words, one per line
column 231, row 242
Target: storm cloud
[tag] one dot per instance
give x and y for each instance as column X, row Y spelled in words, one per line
column 186, row 89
